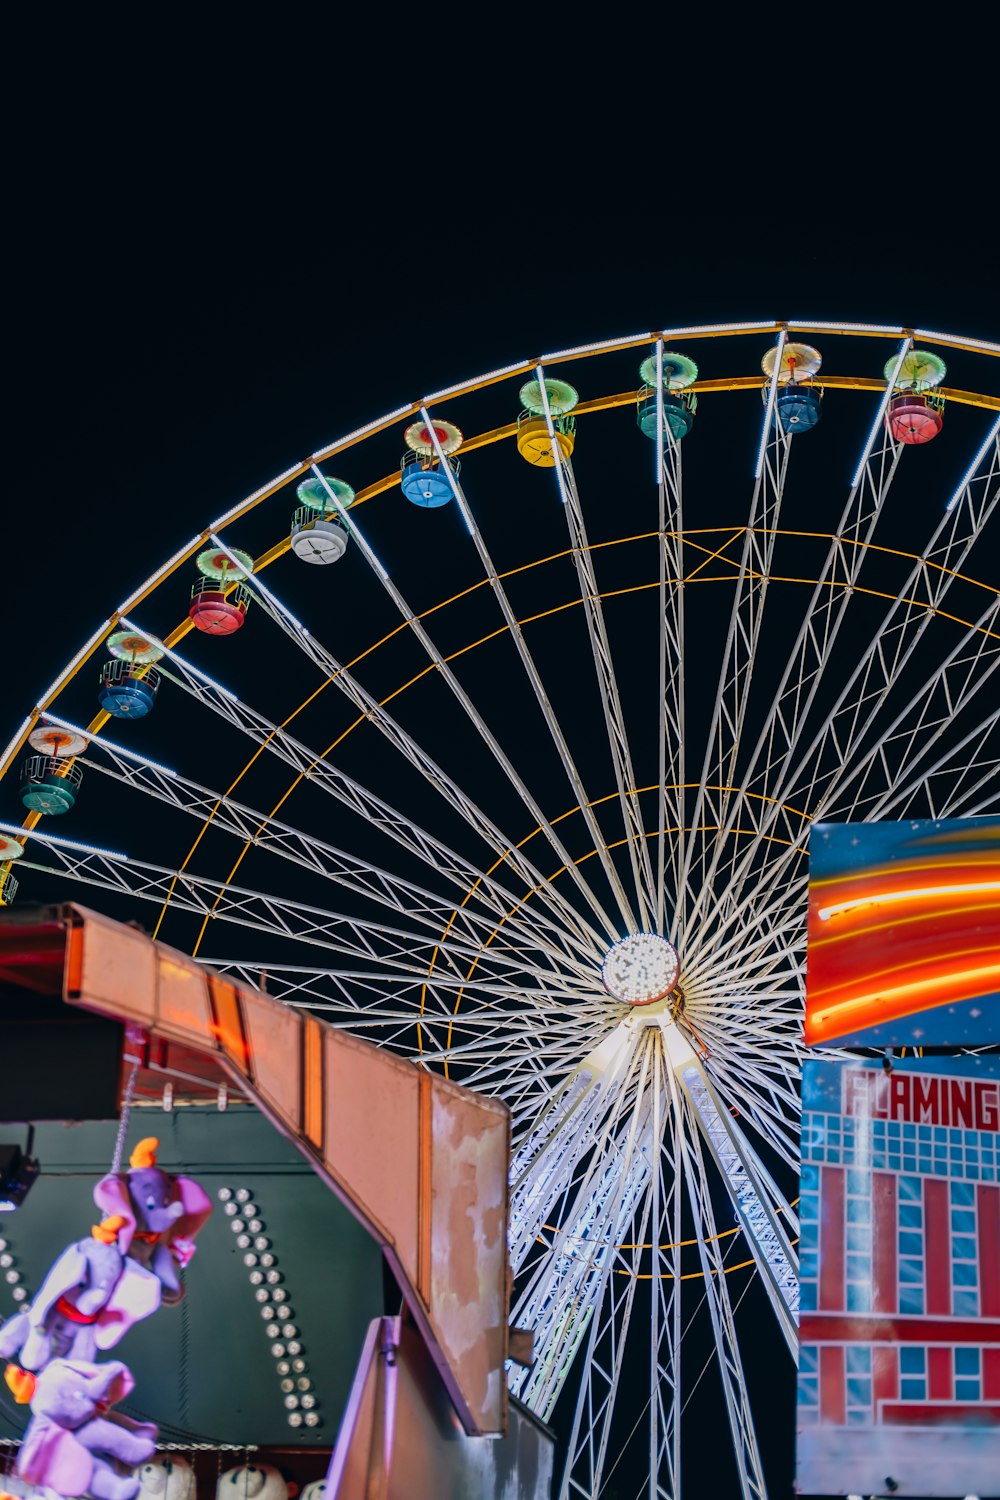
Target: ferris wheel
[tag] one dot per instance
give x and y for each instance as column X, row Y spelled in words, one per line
column 522, row 787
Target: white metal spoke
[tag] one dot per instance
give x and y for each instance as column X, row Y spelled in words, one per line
column 377, row 943
column 326, row 861
column 380, row 814
column 833, row 758
column 739, row 653
column 741, row 1424
column 672, row 751
column 436, row 777
column 750, row 1190
column 614, row 717
column 528, row 663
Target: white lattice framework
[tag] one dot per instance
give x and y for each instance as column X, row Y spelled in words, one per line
column 632, row 1127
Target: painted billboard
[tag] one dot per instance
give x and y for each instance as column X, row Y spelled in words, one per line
column 899, row 1359
column 904, row 933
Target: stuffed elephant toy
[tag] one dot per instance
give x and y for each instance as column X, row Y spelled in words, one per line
column 89, row 1299
column 252, row 1482
column 161, row 1215
column 168, row 1476
column 73, row 1444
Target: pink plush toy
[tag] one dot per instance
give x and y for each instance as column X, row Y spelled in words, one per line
column 160, row 1215
column 73, row 1441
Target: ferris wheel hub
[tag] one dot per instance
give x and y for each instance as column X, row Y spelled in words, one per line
column 640, row 969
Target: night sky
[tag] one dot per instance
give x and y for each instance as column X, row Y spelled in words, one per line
column 222, row 261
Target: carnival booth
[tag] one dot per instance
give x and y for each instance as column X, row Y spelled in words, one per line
column 243, row 1254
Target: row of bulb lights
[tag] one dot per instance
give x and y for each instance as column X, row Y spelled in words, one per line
column 265, row 1278
column 11, row 1274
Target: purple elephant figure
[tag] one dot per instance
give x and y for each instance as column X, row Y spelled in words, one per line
column 89, row 1299
column 161, row 1215
column 73, row 1444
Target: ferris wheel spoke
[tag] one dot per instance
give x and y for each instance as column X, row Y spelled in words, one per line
column 897, row 765
column 895, row 644
column 752, row 1191
column 968, row 774
column 665, row 1279
column 803, row 673
column 378, row 813
column 834, row 757
column 764, row 925
column 503, row 846
column 409, row 748
column 603, row 1373
column 607, row 682
column 673, row 732
column 740, row 650
column 544, row 1165
column 567, row 1280
column 375, row 942
column 272, row 835
column 767, row 1118
column 730, row 1364
column 516, row 633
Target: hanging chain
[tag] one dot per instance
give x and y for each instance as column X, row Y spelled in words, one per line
column 123, row 1121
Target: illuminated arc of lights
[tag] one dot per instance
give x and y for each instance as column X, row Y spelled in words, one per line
column 905, row 999
column 924, row 892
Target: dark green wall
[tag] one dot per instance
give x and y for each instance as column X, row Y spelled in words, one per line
column 206, row 1368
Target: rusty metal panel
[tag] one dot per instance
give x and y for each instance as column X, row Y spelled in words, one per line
column 274, row 1034
column 400, row 1440
column 229, row 1028
column 183, row 1011
column 421, row 1161
column 372, row 1140
column 116, row 968
column 468, row 1203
